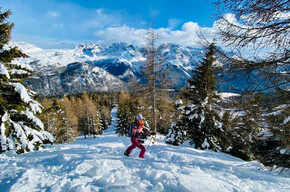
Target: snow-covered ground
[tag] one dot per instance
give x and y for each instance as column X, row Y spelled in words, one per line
column 98, row 164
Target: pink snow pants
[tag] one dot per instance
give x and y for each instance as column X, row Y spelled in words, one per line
column 136, row 144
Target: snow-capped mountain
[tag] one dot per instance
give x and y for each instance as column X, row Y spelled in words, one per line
column 93, row 67
column 74, row 78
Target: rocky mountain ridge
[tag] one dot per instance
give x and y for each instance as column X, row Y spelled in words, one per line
column 91, row 67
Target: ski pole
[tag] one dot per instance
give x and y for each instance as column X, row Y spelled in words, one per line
column 150, row 141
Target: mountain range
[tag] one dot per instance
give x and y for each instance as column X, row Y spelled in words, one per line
column 94, row 68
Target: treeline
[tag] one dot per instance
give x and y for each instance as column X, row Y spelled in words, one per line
column 131, row 104
column 243, row 126
column 67, row 117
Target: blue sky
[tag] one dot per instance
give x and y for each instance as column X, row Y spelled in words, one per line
column 64, row 23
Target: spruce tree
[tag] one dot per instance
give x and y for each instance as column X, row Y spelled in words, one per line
column 273, row 144
column 67, row 122
column 105, row 117
column 202, row 119
column 125, row 117
column 258, row 39
column 244, row 128
column 178, row 131
column 49, row 115
column 104, row 103
column 91, row 116
column 164, row 111
column 20, row 129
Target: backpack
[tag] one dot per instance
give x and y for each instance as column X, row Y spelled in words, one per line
column 130, row 128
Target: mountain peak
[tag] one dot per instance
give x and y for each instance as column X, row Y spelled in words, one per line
column 121, row 46
column 167, row 45
column 25, row 47
column 122, row 60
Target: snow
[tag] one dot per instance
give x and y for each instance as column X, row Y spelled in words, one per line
column 19, row 88
column 18, row 71
column 5, row 48
column 35, row 106
column 4, row 71
column 284, row 151
column 226, row 95
column 182, row 58
column 286, row 120
column 83, row 53
column 31, row 116
column 98, row 164
column 179, row 102
column 4, row 118
column 24, row 47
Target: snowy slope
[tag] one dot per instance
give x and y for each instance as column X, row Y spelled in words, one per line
column 99, row 165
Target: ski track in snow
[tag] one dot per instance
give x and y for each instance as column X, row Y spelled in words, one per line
column 98, row 164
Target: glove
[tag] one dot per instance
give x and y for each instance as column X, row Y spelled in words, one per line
column 140, row 141
column 153, row 133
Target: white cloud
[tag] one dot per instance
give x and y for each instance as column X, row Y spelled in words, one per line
column 173, row 23
column 45, row 42
column 100, row 19
column 121, row 34
column 99, row 11
column 92, row 24
column 223, row 23
column 53, row 13
column 187, row 36
column 230, row 17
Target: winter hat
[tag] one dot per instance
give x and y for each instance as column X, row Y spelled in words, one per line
column 139, row 117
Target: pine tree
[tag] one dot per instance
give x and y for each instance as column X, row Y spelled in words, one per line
column 91, row 116
column 124, row 114
column 245, row 126
column 67, row 122
column 164, row 111
column 49, row 115
column 104, row 103
column 150, row 72
column 155, row 85
column 77, row 104
column 202, row 119
column 259, row 41
column 273, row 144
column 20, row 129
column 105, row 117
column 178, row 131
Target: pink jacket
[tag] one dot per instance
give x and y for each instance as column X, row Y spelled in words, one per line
column 138, row 129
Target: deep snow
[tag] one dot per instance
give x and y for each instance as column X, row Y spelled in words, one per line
column 98, row 164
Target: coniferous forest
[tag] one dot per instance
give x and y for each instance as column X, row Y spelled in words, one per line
column 252, row 124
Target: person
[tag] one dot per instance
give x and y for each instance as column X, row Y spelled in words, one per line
column 137, row 130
